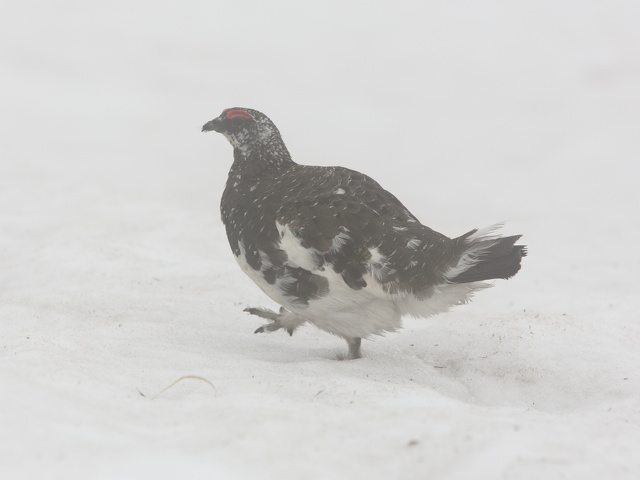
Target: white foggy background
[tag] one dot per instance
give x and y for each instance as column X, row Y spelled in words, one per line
column 116, row 277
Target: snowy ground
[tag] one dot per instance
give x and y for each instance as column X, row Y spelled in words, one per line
column 116, row 278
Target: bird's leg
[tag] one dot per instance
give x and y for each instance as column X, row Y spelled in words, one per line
column 283, row 319
column 354, row 348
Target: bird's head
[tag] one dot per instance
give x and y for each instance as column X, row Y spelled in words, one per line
column 246, row 129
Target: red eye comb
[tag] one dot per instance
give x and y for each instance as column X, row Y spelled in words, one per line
column 235, row 113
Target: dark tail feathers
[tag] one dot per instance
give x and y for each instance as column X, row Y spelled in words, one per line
column 499, row 259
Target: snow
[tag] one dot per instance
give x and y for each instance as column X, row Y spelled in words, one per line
column 116, row 278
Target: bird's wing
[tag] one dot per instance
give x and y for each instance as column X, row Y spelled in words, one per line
column 345, row 219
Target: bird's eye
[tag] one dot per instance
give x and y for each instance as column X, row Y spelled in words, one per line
column 238, row 121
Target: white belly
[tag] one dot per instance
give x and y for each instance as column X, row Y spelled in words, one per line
column 343, row 311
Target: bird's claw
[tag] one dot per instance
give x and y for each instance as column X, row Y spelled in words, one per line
column 272, row 327
column 265, row 313
column 273, row 317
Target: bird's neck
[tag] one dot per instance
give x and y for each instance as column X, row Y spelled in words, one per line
column 267, row 156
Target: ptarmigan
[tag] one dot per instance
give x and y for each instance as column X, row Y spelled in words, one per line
column 334, row 248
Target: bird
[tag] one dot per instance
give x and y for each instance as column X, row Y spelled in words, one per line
column 333, row 248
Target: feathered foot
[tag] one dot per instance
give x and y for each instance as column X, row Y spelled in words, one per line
column 354, row 348
column 283, row 319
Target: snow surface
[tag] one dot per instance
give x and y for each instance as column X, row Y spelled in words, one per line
column 116, row 278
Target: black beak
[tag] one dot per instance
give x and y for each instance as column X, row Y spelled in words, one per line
column 214, row 125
